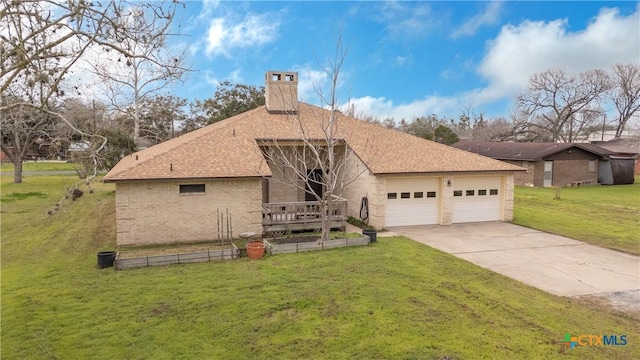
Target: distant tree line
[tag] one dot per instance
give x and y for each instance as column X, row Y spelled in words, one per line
column 556, row 107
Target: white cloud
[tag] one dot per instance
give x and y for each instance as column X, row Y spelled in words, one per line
column 403, row 60
column 223, row 35
column 520, row 51
column 490, row 16
column 532, row 47
column 310, row 81
column 383, row 108
column 404, row 22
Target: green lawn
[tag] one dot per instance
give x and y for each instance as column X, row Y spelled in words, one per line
column 607, row 216
column 40, row 166
column 396, row 299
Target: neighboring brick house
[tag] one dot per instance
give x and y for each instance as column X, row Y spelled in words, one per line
column 546, row 164
column 173, row 191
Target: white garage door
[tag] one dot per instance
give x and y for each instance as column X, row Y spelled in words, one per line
column 412, row 201
column 477, row 199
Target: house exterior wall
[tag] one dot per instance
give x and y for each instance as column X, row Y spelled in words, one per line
column 509, row 195
column 157, row 213
column 538, row 173
column 565, row 172
column 281, row 187
column 365, row 185
column 524, row 177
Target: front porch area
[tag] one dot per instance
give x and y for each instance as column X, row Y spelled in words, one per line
column 302, row 215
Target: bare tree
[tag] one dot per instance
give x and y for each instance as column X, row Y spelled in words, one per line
column 319, row 154
column 555, row 98
column 145, row 66
column 22, row 128
column 42, row 44
column 625, row 93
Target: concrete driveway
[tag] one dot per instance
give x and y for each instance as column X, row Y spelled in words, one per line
column 552, row 263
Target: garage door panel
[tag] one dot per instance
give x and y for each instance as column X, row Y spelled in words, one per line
column 417, row 207
column 479, row 199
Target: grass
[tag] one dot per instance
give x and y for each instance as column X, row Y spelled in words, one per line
column 396, row 299
column 40, row 166
column 607, row 216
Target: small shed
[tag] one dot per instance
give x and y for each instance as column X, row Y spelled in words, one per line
column 616, row 170
column 623, row 148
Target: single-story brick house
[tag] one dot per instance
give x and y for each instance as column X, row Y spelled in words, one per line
column 172, row 192
column 546, row 164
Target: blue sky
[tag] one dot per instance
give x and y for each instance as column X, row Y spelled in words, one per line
column 405, row 59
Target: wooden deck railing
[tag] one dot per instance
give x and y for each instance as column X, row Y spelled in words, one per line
column 304, row 215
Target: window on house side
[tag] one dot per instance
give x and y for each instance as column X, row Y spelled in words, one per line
column 470, row 193
column 431, row 194
column 405, row 195
column 457, row 193
column 418, row 195
column 493, row 192
column 192, row 189
column 392, row 195
column 592, row 166
column 482, row 192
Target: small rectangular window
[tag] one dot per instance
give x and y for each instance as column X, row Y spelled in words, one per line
column 482, row 192
column 405, row 195
column 457, row 192
column 525, row 164
column 392, row 195
column 431, row 194
column 470, row 193
column 592, row 166
column 418, row 195
column 493, row 192
column 192, row 189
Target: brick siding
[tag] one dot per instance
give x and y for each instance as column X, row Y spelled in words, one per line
column 156, row 213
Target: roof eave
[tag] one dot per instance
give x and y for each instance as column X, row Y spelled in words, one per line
column 184, row 178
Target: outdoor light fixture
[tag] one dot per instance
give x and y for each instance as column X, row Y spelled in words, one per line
column 449, row 182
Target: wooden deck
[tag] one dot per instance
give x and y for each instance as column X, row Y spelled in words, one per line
column 304, row 215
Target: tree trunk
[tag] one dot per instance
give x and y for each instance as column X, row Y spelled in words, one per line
column 326, row 221
column 17, row 172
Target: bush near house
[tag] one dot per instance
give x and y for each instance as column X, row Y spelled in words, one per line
column 607, row 216
column 394, row 299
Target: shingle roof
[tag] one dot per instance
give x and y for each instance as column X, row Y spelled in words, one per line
column 523, row 150
column 621, row 146
column 229, row 149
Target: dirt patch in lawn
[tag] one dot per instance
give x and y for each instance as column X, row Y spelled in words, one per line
column 625, row 301
column 294, row 239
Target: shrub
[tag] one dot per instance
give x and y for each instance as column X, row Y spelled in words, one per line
column 359, row 223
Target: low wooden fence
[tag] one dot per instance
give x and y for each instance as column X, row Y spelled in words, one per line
column 273, row 249
column 178, row 258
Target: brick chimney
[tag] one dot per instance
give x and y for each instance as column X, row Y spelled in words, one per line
column 281, row 91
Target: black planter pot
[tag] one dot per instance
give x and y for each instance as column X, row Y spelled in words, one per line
column 106, row 259
column 372, row 234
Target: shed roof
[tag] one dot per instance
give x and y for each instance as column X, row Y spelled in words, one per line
column 524, row 150
column 228, row 149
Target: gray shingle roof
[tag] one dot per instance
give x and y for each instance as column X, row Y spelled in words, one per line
column 523, row 150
